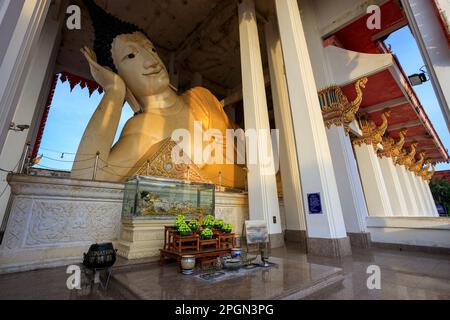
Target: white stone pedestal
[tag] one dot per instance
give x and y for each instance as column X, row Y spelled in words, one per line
column 141, row 238
column 53, row 221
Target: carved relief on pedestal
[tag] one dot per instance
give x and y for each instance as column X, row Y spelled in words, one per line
column 336, row 109
column 17, row 223
column 56, row 222
column 371, row 133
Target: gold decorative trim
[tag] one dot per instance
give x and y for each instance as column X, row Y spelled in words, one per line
column 416, row 166
column 424, row 171
column 430, row 174
column 371, row 133
column 406, row 158
column 336, row 109
column 160, row 164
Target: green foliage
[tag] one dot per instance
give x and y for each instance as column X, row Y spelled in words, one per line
column 440, row 189
column 193, row 224
column 206, row 233
column 179, row 220
column 228, row 228
column 209, row 221
column 218, row 224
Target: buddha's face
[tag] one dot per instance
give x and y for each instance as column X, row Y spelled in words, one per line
column 139, row 65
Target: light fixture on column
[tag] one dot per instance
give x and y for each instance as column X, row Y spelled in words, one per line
column 418, row 78
column 18, row 127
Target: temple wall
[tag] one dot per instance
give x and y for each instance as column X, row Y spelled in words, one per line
column 53, row 221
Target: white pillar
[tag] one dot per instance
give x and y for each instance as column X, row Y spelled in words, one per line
column 375, row 191
column 427, row 202
column 433, row 44
column 346, row 171
column 262, row 189
column 290, row 175
column 417, row 195
column 393, row 186
column 16, row 59
column 345, row 168
column 326, row 231
column 33, row 96
column 408, row 192
column 434, row 210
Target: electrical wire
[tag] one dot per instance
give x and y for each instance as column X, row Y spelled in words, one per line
column 12, row 171
column 68, row 161
column 67, row 153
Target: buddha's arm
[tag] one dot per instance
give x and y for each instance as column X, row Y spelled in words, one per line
column 100, row 132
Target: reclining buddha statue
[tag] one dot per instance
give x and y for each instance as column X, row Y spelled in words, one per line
column 125, row 63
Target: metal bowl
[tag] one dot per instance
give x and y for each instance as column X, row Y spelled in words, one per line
column 232, row 264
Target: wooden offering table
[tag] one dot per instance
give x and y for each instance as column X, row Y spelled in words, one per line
column 226, row 240
column 205, row 251
column 211, row 243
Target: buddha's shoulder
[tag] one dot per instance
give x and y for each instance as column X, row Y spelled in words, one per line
column 201, row 96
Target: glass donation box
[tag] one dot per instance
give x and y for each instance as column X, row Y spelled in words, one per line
column 155, row 198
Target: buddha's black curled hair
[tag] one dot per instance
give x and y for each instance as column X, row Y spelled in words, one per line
column 107, row 28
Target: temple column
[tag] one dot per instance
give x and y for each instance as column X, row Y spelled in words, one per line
column 430, row 34
column 326, row 230
column 425, row 197
column 375, row 191
column 408, row 192
column 393, row 186
column 21, row 24
column 434, row 210
column 345, row 168
column 352, row 199
column 290, row 175
column 417, row 194
column 262, row 188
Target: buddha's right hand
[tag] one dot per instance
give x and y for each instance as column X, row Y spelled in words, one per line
column 103, row 76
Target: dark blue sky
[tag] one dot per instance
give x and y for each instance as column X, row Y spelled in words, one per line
column 71, row 111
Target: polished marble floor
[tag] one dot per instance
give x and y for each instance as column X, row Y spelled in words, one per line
column 404, row 275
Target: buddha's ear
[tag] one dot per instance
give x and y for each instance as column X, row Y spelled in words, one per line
column 132, row 101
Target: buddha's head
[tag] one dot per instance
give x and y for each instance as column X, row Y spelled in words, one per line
column 126, row 49
column 137, row 62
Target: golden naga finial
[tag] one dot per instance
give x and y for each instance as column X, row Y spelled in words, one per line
column 430, row 174
column 415, row 166
column 371, row 133
column 424, row 170
column 392, row 148
column 336, row 109
column 406, row 158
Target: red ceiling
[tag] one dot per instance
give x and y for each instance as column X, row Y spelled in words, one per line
column 357, row 37
column 380, row 87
